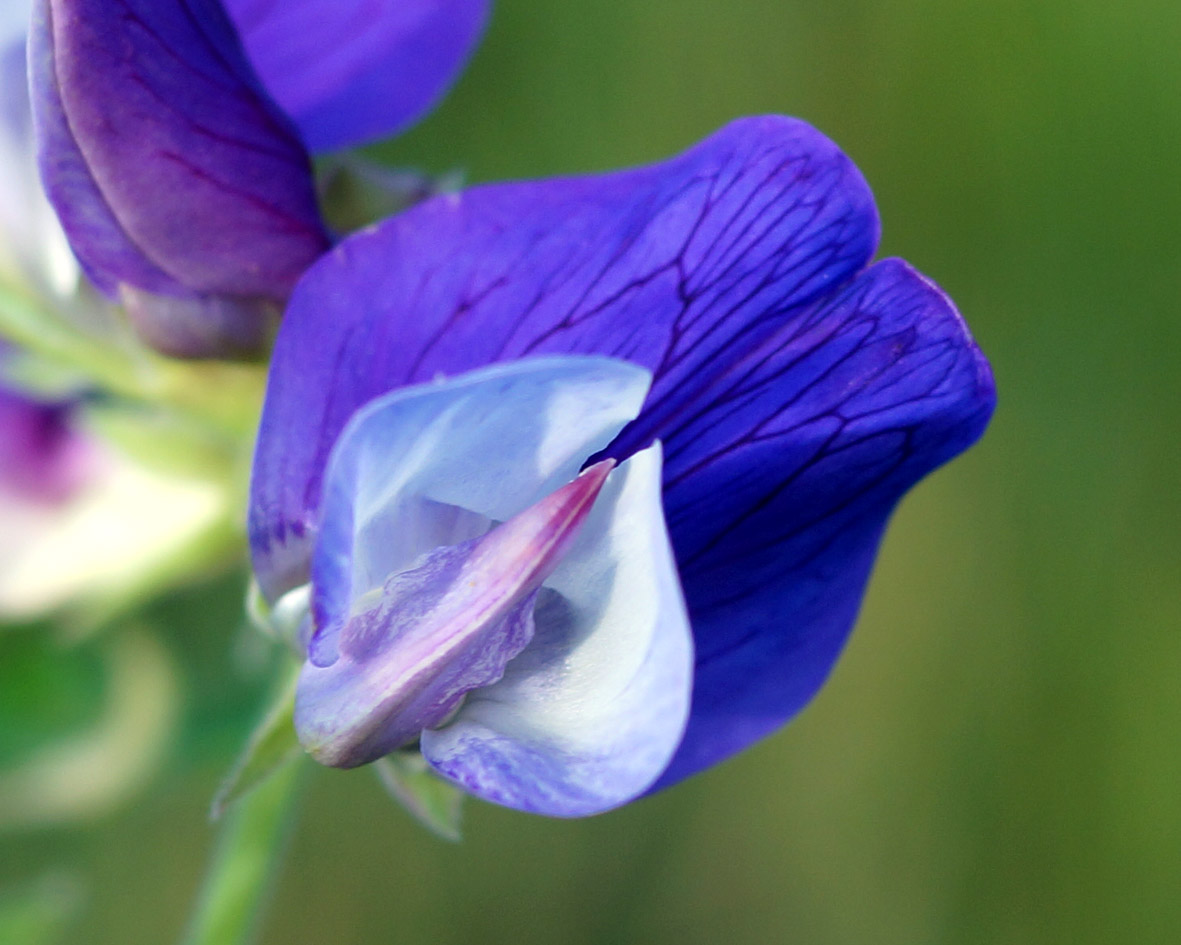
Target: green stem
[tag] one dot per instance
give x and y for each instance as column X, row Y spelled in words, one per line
column 238, row 884
column 221, row 397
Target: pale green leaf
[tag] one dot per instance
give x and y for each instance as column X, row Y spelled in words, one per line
column 271, row 747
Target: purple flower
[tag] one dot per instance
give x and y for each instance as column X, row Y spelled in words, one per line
column 184, row 189
column 711, row 325
column 81, row 523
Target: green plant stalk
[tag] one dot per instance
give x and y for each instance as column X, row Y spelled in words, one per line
column 252, row 842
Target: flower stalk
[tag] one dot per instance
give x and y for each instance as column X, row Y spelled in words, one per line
column 250, row 848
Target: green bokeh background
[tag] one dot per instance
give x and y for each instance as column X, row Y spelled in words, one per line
column 996, row 757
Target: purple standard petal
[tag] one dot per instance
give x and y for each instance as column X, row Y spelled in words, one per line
column 349, row 72
column 172, row 172
column 798, row 394
column 678, row 267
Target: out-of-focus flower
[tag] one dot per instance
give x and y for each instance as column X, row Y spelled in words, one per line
column 184, row 189
column 80, row 521
column 465, row 589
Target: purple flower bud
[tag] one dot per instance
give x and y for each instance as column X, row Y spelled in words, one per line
column 183, row 189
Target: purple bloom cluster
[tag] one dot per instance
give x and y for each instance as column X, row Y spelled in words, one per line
column 579, row 481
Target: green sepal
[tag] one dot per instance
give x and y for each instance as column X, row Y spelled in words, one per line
column 356, row 192
column 272, row 746
column 433, row 802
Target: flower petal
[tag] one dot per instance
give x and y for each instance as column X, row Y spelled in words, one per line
column 413, row 648
column 668, row 266
column 588, row 715
column 350, row 72
column 170, row 168
column 780, row 477
column 435, row 464
column 404, row 626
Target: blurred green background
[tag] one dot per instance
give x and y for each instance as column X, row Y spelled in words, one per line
column 996, row 758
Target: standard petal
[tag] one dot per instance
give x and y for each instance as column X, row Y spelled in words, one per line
column 349, row 72
column 780, row 477
column 588, row 715
column 678, row 267
column 169, row 166
column 437, row 463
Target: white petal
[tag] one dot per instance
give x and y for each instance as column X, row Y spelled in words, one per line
column 437, row 463
column 587, row 716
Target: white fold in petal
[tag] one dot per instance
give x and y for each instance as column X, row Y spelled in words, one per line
column 437, row 464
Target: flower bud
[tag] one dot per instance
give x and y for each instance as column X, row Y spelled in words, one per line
column 183, row 189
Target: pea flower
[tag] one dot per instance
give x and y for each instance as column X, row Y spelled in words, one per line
column 174, row 134
column 574, row 486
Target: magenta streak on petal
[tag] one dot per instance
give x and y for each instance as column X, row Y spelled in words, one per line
column 436, row 632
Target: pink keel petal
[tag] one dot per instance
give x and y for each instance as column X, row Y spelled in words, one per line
column 436, row 632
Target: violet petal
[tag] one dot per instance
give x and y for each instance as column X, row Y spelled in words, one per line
column 171, row 170
column 348, row 73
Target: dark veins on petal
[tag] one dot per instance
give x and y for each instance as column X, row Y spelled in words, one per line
column 797, row 393
column 165, row 109
column 680, row 267
column 779, row 480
